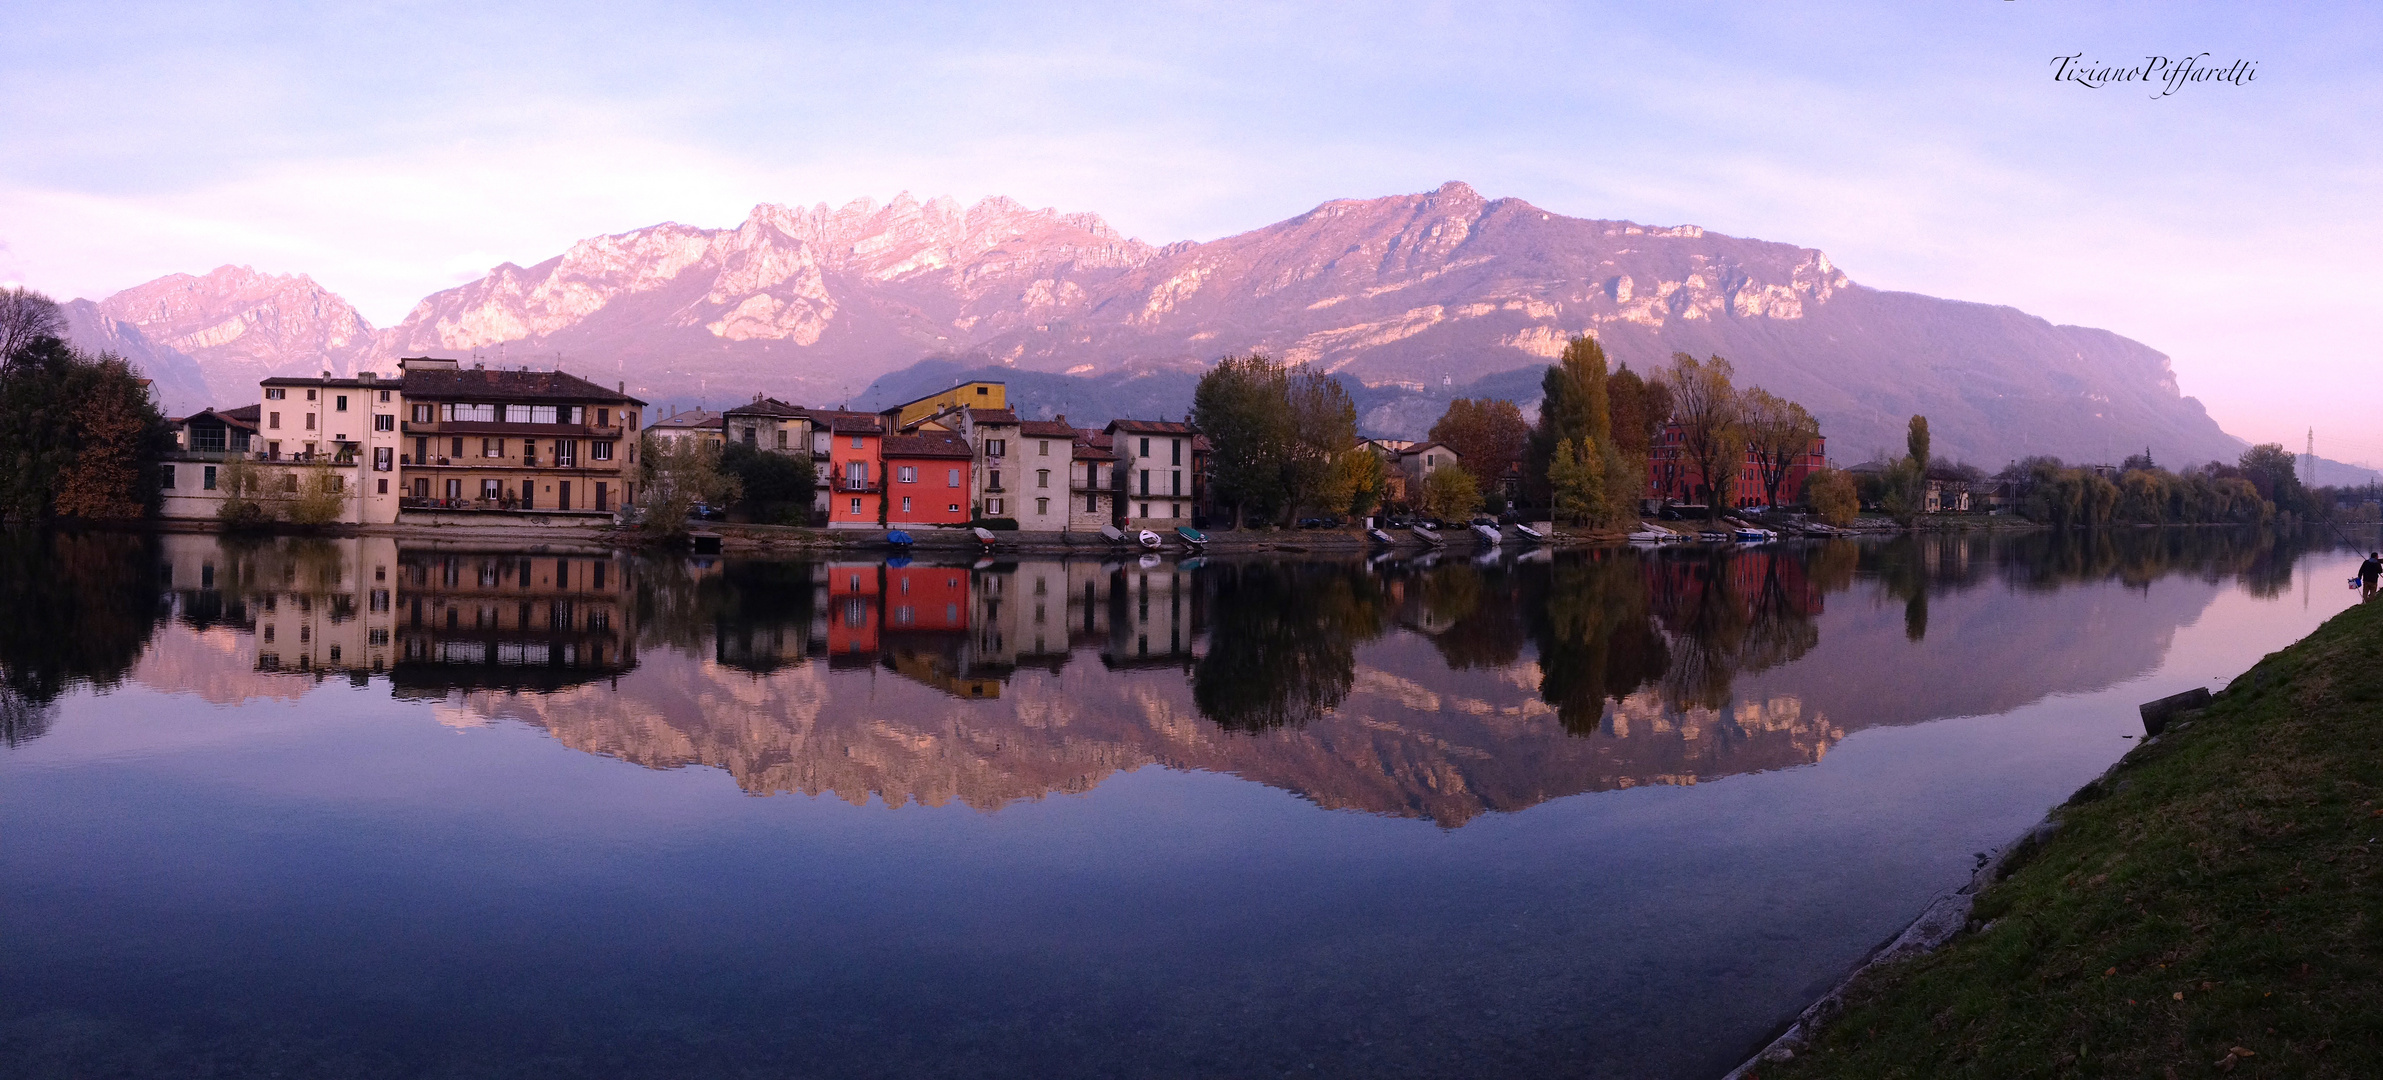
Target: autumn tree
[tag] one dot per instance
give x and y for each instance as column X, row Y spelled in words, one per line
column 1359, row 479
column 78, row 434
column 1243, row 405
column 1778, row 433
column 675, row 474
column 1830, row 494
column 1488, row 435
column 1450, row 494
column 119, row 435
column 1576, row 485
column 1572, row 406
column 1708, row 409
column 1323, row 427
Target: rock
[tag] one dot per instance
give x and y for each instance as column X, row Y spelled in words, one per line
column 2156, row 714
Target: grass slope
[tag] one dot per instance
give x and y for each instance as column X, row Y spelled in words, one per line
column 2212, row 908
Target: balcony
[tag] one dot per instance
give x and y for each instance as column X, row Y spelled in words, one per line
column 849, row 486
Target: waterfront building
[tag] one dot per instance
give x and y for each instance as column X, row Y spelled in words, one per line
column 1091, row 481
column 1045, row 458
column 691, row 425
column 190, row 478
column 766, row 423
column 515, row 441
column 1673, row 477
column 334, row 434
column 846, row 449
column 928, row 477
column 1164, row 472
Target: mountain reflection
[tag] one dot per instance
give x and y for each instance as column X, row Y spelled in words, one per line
column 1431, row 689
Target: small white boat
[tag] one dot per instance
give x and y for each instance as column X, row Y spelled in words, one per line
column 1112, row 534
column 1529, row 533
column 1712, row 536
column 1150, row 541
column 1428, row 536
column 1753, row 536
column 983, row 536
column 1488, row 533
column 1380, row 537
column 1652, row 536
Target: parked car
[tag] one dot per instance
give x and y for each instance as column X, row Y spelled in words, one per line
column 707, row 512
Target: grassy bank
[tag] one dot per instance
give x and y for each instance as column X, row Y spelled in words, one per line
column 2215, row 907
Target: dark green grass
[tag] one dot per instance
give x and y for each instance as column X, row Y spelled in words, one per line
column 2219, row 894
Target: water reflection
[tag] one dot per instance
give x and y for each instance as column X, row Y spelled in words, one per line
column 1422, row 689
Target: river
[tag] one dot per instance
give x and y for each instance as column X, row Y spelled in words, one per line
column 370, row 808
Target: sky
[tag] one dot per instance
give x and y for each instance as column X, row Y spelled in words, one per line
column 393, row 149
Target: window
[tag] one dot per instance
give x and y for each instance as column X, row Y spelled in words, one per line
column 1042, row 507
column 856, row 508
column 951, row 478
column 336, row 482
column 995, row 507
column 1042, row 478
column 1045, row 449
column 543, row 414
column 489, row 489
column 1145, row 509
column 1175, row 482
column 384, row 488
column 457, row 450
column 275, row 393
column 908, row 474
column 384, row 421
column 1175, row 448
column 905, row 505
column 384, row 397
column 455, row 489
column 1145, row 484
column 421, row 414
column 339, row 403
column 492, row 448
column 1174, row 510
column 168, row 478
column 603, row 417
column 485, row 414
column 952, row 508
column 273, row 420
column 289, row 481
column 566, row 452
column 1145, row 448
column 383, row 460
column 310, row 421
column 1430, row 460
column 781, row 438
column 993, row 481
column 207, row 479
column 600, row 450
column 1092, row 504
column 856, row 442
column 310, row 394
column 996, row 447
column 273, row 449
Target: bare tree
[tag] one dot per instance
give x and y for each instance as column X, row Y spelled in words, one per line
column 26, row 317
column 1710, row 413
column 1778, row 434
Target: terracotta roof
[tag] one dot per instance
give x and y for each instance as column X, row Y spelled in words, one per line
column 471, row 384
column 771, row 407
column 927, row 444
column 849, row 423
column 1152, row 427
column 688, row 420
column 245, row 414
column 1093, row 445
column 992, row 416
column 1047, row 429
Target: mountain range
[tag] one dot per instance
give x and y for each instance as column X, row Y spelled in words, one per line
column 1412, row 299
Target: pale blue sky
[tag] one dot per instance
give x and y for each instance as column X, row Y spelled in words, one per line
column 396, row 149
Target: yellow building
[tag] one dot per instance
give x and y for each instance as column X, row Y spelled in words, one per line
column 974, row 395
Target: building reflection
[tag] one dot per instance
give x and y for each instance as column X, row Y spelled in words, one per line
column 493, row 619
column 1438, row 690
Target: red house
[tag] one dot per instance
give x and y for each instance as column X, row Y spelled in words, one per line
column 1673, row 477
column 853, row 620
column 927, row 479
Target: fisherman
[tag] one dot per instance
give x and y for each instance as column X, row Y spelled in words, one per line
column 2368, row 571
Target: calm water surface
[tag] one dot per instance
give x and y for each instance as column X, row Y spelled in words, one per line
column 365, row 808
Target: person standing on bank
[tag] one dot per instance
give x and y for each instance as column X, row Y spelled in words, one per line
column 2368, row 571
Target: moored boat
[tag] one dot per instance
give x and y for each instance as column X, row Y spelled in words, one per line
column 1488, row 534
column 1112, row 534
column 1150, row 540
column 1652, row 536
column 1753, row 536
column 899, row 539
column 983, row 536
column 1196, row 539
column 1712, row 536
column 1529, row 533
column 1380, row 537
column 1427, row 536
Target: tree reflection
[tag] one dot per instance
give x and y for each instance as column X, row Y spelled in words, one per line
column 80, row 608
column 1282, row 644
column 1470, row 615
column 1595, row 630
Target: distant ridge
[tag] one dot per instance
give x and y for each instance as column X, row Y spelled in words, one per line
column 1410, row 297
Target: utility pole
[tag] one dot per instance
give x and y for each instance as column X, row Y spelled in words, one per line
column 2311, row 459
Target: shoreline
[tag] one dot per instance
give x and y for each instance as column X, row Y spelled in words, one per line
column 2140, row 889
